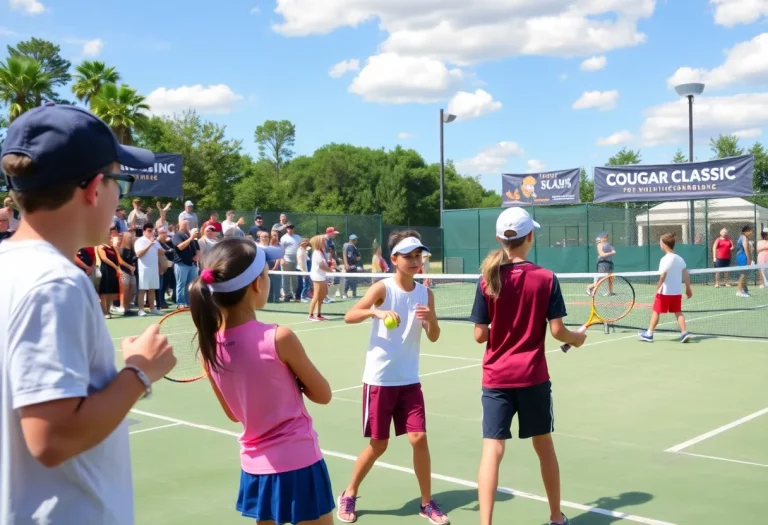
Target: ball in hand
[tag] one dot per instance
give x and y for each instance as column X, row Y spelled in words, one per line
column 390, row 322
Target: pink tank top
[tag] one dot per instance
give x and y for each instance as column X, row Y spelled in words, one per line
column 262, row 392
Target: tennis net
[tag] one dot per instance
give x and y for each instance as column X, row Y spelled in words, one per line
column 716, row 309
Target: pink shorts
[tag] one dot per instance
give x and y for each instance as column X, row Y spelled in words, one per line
column 402, row 404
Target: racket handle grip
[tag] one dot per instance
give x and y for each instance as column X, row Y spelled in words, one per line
column 567, row 347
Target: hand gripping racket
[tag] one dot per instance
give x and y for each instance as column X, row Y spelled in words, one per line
column 612, row 299
column 180, row 330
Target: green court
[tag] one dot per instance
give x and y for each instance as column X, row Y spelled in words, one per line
column 645, row 433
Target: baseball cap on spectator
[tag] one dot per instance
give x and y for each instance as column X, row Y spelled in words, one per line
column 330, row 230
column 210, row 228
column 68, row 144
column 289, row 225
column 353, row 237
column 189, row 203
column 514, row 223
column 259, row 218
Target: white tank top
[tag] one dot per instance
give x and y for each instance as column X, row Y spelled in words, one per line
column 393, row 355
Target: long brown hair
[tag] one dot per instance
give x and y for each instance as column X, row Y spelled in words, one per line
column 491, row 267
column 226, row 260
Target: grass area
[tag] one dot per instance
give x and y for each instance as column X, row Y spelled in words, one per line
column 619, row 406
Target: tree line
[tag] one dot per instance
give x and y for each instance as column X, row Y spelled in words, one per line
column 217, row 174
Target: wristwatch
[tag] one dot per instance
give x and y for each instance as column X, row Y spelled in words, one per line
column 143, row 378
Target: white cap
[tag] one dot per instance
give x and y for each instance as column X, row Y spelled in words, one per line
column 188, row 203
column 516, row 221
column 407, row 245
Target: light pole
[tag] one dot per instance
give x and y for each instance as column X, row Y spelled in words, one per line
column 690, row 91
column 445, row 118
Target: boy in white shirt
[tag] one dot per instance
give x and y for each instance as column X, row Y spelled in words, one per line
column 669, row 293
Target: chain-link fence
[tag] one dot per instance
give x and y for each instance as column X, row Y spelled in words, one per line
column 431, row 236
column 566, row 241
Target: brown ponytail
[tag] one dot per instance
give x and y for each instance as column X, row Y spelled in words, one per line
column 226, row 260
column 491, row 270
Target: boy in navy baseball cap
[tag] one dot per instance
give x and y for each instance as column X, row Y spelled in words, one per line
column 63, row 398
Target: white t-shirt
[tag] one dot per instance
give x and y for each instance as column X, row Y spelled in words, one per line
column 148, row 262
column 316, row 274
column 54, row 344
column 302, row 256
column 230, row 225
column 673, row 265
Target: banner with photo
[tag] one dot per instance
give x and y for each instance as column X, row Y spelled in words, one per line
column 164, row 179
column 730, row 177
column 540, row 189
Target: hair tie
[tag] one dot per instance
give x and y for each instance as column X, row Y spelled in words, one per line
column 207, row 276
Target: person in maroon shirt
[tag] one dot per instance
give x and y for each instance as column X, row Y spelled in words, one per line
column 515, row 301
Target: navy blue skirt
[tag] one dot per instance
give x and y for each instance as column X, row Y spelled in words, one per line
column 287, row 497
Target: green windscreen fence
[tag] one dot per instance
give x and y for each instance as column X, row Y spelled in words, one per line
column 566, row 241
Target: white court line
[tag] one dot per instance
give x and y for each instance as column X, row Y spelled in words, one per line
column 724, row 459
column 169, row 425
column 719, row 430
column 440, row 477
column 422, row 375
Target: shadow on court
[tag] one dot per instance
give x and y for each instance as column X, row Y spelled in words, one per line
column 449, row 501
column 616, row 503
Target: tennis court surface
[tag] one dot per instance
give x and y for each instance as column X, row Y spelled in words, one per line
column 645, row 433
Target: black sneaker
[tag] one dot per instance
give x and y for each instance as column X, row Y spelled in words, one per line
column 565, row 521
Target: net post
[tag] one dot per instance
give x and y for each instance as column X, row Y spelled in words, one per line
column 586, row 237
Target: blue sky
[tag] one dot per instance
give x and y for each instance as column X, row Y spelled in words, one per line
column 242, row 62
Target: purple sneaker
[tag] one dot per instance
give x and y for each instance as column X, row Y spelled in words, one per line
column 346, row 506
column 433, row 513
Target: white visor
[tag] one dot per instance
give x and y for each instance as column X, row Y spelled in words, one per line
column 407, row 245
column 264, row 254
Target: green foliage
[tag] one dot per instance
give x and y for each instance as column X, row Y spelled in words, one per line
column 275, row 140
column 586, row 187
column 122, row 108
column 51, row 62
column 760, row 180
column 625, row 157
column 22, row 85
column 3, row 128
column 679, row 157
column 90, row 76
column 726, row 146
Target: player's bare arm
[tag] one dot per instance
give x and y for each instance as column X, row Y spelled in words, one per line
column 291, row 352
column 428, row 317
column 367, row 307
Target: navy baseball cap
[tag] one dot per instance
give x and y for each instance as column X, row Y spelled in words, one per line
column 66, row 144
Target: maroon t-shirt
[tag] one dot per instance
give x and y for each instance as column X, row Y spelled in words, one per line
column 530, row 297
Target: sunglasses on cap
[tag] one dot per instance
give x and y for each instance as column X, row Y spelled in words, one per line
column 124, row 182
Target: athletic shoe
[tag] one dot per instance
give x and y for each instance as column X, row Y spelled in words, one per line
column 684, row 338
column 321, row 318
column 564, row 522
column 142, row 313
column 743, row 294
column 313, row 319
column 645, row 336
column 155, row 311
column 346, row 505
column 305, row 300
column 432, row 511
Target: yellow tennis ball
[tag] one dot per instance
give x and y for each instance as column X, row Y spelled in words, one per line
column 390, row 322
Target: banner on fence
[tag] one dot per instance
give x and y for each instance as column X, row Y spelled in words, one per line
column 540, row 189
column 161, row 180
column 711, row 179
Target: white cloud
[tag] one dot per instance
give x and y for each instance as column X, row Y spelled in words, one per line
column 490, row 160
column 603, row 100
column 594, row 64
column 464, row 32
column 564, row 77
column 748, row 133
column 467, row 106
column 395, row 79
column 618, row 138
column 92, row 48
column 733, row 12
column 31, row 7
column 535, row 165
column 217, row 99
column 338, row 70
column 668, row 123
column 255, row 11
column 745, row 62
column 404, row 135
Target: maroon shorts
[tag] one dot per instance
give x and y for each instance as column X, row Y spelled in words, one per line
column 402, row 404
column 668, row 304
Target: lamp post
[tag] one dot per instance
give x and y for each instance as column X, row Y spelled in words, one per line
column 445, row 118
column 690, row 91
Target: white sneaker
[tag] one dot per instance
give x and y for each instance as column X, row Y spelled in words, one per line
column 117, row 310
column 155, row 311
column 142, row 313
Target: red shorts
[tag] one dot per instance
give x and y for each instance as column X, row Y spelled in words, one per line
column 668, row 304
column 402, row 404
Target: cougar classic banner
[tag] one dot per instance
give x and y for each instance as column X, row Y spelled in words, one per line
column 161, row 180
column 540, row 189
column 731, row 177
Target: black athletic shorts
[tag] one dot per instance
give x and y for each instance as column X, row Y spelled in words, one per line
column 604, row 267
column 532, row 404
column 722, row 263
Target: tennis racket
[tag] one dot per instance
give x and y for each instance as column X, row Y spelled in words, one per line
column 613, row 297
column 180, row 330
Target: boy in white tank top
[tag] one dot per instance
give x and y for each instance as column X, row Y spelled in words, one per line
column 391, row 387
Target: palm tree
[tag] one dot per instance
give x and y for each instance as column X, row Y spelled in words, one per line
column 90, row 76
column 22, row 85
column 122, row 108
